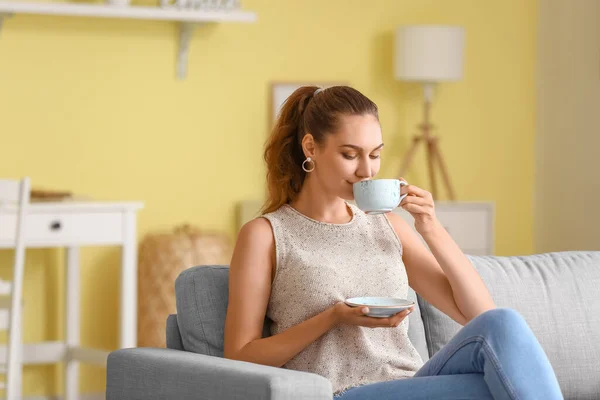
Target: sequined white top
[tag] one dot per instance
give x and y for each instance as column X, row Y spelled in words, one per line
column 319, row 264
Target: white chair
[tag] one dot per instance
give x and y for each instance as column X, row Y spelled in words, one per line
column 16, row 192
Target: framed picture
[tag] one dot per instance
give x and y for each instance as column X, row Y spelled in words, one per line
column 280, row 91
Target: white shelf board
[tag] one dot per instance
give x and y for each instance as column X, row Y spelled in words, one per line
column 130, row 12
column 187, row 19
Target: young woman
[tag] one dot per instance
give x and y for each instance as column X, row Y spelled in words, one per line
column 311, row 249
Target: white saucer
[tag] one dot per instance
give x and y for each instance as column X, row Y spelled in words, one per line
column 380, row 307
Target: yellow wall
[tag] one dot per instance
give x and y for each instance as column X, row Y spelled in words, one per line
column 93, row 106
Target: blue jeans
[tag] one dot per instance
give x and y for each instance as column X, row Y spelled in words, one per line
column 495, row 356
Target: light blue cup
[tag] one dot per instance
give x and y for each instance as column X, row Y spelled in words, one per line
column 378, row 196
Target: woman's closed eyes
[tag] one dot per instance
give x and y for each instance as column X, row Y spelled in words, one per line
column 353, row 156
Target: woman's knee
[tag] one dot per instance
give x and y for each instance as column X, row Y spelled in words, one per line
column 502, row 318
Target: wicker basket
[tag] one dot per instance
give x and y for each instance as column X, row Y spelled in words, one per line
column 161, row 258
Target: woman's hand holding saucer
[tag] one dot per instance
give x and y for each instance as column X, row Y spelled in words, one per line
column 346, row 315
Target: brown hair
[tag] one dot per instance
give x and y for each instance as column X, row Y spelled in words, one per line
column 305, row 111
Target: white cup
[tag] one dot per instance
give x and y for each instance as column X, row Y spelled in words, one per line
column 378, row 196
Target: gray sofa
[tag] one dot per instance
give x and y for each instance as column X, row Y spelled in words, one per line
column 557, row 293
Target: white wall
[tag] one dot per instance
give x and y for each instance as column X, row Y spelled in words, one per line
column 567, row 193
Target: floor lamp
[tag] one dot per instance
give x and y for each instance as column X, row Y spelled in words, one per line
column 429, row 54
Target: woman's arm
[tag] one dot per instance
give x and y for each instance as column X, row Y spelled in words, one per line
column 443, row 276
column 250, row 275
column 470, row 293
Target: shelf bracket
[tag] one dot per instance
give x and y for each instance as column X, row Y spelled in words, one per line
column 186, row 32
column 2, row 16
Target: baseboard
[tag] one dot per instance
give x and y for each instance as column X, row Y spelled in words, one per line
column 87, row 396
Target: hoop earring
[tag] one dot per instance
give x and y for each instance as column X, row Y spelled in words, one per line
column 308, row 160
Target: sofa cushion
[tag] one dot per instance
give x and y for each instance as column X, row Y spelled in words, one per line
column 558, row 295
column 202, row 295
column 416, row 331
column 173, row 336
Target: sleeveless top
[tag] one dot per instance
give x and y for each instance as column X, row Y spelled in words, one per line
column 319, row 264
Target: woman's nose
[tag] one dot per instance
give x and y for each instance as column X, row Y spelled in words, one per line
column 364, row 170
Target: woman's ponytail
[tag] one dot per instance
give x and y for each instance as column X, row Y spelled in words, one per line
column 283, row 152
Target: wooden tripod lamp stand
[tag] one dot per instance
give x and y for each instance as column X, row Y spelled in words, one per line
column 429, row 54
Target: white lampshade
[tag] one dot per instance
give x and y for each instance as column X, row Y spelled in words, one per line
column 429, row 53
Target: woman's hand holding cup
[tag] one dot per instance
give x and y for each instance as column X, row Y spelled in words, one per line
column 419, row 203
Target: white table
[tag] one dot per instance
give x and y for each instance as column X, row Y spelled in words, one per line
column 71, row 225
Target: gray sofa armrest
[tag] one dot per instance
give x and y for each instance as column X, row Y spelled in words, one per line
column 149, row 373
